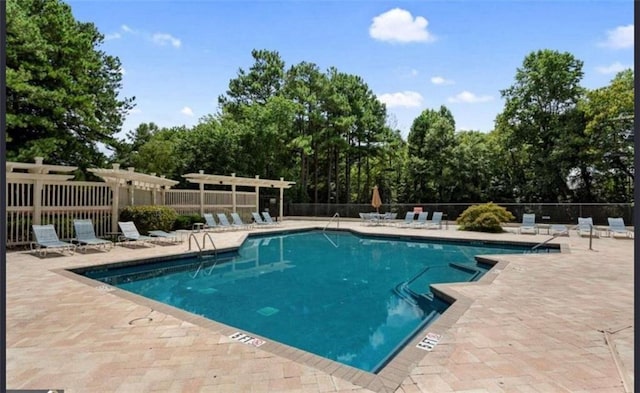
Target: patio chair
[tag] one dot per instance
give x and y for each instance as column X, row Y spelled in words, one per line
column 369, row 218
column 257, row 219
column 86, row 236
column 130, row 233
column 224, row 222
column 237, row 221
column 617, row 227
column 436, row 221
column 408, row 220
column 558, row 230
column 210, row 223
column 168, row 237
column 585, row 227
column 47, row 239
column 421, row 221
column 528, row 224
column 269, row 219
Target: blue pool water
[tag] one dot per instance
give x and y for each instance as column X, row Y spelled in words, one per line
column 352, row 299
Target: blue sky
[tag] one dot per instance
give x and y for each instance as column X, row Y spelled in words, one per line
column 178, row 56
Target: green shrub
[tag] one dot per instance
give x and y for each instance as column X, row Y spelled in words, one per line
column 148, row 218
column 186, row 221
column 484, row 218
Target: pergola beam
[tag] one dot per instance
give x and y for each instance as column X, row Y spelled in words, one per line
column 202, row 178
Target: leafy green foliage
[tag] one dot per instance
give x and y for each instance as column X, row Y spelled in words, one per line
column 149, row 218
column 186, row 221
column 487, row 217
column 62, row 91
column 540, row 120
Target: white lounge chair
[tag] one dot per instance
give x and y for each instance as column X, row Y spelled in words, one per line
column 267, row 218
column 46, row 239
column 528, row 224
column 421, row 221
column 436, row 221
column 169, row 237
column 558, row 230
column 237, row 221
column 408, row 219
column 130, row 234
column 617, row 227
column 86, row 236
column 585, row 227
column 257, row 219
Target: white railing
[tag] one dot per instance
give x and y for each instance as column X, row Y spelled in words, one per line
column 59, row 203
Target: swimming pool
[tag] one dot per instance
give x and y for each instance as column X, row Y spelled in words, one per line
column 349, row 298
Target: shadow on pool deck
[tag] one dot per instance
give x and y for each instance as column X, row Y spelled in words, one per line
column 533, row 323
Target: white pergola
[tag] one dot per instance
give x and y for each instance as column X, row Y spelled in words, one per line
column 37, row 174
column 202, row 178
column 117, row 178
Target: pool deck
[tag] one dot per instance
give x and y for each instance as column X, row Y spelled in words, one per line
column 535, row 323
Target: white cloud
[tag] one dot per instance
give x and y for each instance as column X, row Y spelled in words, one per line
column 401, row 99
column 619, row 38
column 438, row 80
column 398, row 25
column 164, row 38
column 127, row 29
column 469, row 98
column 187, row 111
column 135, row 111
column 113, row 36
column 157, row 38
column 613, row 68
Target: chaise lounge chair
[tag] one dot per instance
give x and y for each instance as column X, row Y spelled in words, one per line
column 237, row 221
column 617, row 227
column 585, row 227
column 528, row 224
column 168, row 237
column 558, row 230
column 421, row 221
column 86, row 236
column 47, row 239
column 408, row 219
column 224, row 222
column 257, row 219
column 130, row 233
column 210, row 223
column 436, row 221
column 267, row 218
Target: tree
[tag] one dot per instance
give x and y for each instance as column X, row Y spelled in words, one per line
column 431, row 140
column 539, row 115
column 609, row 113
column 62, row 91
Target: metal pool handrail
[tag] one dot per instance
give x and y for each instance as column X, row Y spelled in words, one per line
column 204, row 237
column 337, row 215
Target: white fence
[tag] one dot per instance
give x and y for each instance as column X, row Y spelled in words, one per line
column 59, row 203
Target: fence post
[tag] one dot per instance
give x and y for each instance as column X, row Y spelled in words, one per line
column 281, row 210
column 115, row 201
column 201, row 196
column 233, row 193
column 37, row 197
column 257, row 195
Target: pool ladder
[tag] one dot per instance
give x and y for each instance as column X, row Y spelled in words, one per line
column 205, row 236
column 535, row 248
column 337, row 218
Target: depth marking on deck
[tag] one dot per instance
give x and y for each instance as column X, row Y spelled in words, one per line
column 246, row 339
column 429, row 341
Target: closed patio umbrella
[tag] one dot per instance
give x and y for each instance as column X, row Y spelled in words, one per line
column 376, row 201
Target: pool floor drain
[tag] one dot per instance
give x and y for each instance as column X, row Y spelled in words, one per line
column 267, row 311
